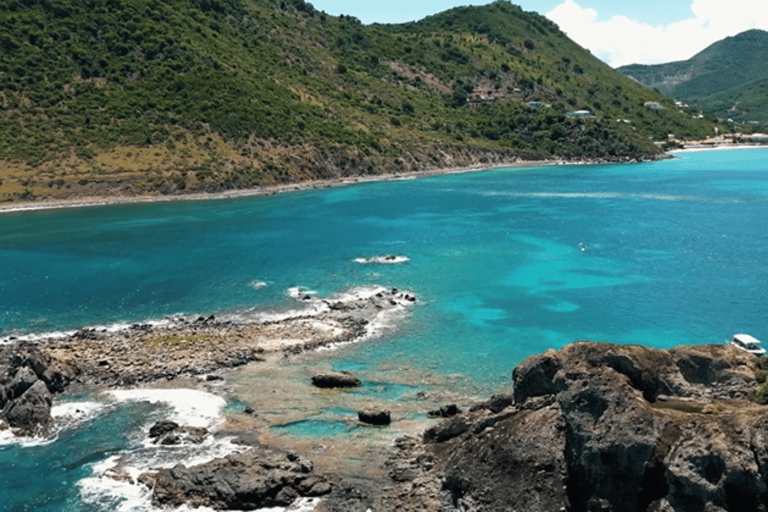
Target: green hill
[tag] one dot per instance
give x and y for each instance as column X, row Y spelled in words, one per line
column 105, row 97
column 727, row 79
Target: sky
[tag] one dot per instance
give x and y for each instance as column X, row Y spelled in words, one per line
column 618, row 32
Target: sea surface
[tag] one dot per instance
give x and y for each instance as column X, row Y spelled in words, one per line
column 506, row 263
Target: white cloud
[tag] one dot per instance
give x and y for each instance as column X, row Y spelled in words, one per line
column 621, row 40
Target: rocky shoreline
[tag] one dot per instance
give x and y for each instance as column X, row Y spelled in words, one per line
column 590, row 427
column 598, row 427
column 32, row 372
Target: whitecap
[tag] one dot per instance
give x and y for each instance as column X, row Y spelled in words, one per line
column 300, row 292
column 387, row 259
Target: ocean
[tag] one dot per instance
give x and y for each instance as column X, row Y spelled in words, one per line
column 505, row 263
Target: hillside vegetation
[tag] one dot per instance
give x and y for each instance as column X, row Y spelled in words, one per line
column 103, row 97
column 728, row 79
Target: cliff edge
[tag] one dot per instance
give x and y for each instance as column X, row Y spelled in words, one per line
column 599, row 427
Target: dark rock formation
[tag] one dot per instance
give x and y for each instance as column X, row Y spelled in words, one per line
column 244, row 481
column 342, row 379
column 30, row 412
column 599, row 427
column 166, row 432
column 446, row 411
column 375, row 416
column 28, row 379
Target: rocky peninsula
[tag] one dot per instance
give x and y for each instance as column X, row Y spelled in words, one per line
column 32, row 372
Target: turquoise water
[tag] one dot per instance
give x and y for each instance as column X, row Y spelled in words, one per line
column 674, row 253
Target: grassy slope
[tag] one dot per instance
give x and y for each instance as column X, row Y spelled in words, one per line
column 727, row 73
column 132, row 96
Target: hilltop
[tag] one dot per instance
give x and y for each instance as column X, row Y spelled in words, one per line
column 728, row 79
column 132, row 97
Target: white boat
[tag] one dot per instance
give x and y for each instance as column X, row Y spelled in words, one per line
column 748, row 343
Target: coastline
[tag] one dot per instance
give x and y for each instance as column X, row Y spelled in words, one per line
column 84, row 202
column 195, row 367
column 182, row 347
column 725, row 146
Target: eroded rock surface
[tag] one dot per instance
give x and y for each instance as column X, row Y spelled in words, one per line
column 28, row 380
column 244, row 481
column 600, row 427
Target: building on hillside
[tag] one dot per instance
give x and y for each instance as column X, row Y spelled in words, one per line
column 537, row 104
column 653, row 105
column 579, row 113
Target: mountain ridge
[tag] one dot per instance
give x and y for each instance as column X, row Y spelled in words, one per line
column 718, row 78
column 131, row 97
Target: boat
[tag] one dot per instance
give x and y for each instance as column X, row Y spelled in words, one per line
column 748, row 343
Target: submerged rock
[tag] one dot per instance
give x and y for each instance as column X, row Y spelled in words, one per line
column 343, row 379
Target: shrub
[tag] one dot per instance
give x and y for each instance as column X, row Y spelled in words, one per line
column 761, row 395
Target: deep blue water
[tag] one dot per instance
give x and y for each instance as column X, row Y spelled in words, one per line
column 675, row 253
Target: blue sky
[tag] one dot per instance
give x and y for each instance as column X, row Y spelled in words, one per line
column 618, row 32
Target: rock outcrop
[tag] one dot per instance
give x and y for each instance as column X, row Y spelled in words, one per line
column 244, row 481
column 28, row 380
column 166, row 432
column 600, row 427
column 375, row 416
column 343, row 379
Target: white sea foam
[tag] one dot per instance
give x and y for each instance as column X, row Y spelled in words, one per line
column 113, row 486
column 71, row 414
column 299, row 292
column 8, row 438
column 75, row 409
column 384, row 321
column 598, row 195
column 114, row 328
column 259, row 284
column 387, row 259
column 65, row 415
column 112, row 482
column 190, row 407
